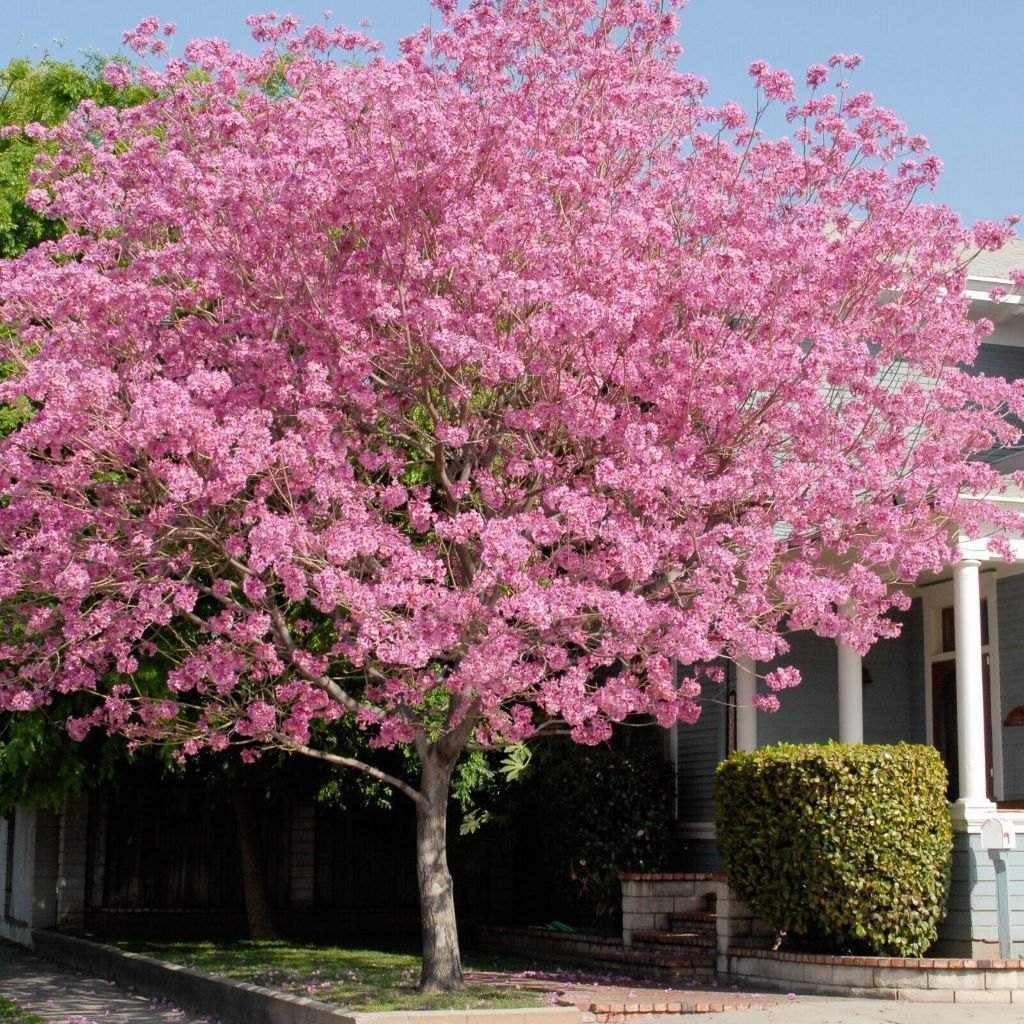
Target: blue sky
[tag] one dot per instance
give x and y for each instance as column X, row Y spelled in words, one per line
column 951, row 69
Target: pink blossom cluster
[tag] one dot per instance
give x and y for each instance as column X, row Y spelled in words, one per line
column 506, row 372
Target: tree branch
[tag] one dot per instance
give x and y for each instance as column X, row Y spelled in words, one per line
column 456, row 735
column 349, row 762
column 325, row 683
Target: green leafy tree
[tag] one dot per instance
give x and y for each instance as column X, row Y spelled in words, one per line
column 41, row 764
column 38, row 762
column 45, row 93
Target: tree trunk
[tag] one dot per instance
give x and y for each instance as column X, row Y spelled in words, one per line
column 442, row 964
column 259, row 913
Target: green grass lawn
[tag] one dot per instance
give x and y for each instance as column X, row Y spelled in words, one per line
column 357, row 979
column 10, row 1014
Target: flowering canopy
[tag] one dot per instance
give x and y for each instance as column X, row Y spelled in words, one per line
column 476, row 387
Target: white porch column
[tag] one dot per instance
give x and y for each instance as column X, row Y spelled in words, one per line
column 970, row 694
column 746, row 712
column 851, row 694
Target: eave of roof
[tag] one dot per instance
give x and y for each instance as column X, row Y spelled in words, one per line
column 993, row 268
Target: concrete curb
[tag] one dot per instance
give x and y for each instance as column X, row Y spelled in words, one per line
column 252, row 1004
column 909, row 979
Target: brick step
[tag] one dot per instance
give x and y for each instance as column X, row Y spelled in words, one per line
column 687, row 939
column 665, row 955
column 678, row 966
column 660, row 964
column 694, row 920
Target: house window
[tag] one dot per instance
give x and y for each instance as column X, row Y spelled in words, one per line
column 949, row 627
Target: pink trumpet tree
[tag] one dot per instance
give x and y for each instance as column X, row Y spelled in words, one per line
column 473, row 391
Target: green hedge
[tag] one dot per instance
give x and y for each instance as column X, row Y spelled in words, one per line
column 844, row 848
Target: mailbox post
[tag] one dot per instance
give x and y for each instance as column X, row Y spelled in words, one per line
column 998, row 836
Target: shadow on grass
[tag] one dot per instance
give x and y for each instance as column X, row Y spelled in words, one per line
column 374, row 980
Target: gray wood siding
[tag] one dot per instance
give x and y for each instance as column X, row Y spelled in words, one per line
column 913, row 636
column 695, row 855
column 1010, row 602
column 809, row 713
column 999, row 361
column 894, row 699
column 700, row 747
column 972, row 895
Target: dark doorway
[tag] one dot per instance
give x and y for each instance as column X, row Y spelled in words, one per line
column 944, row 723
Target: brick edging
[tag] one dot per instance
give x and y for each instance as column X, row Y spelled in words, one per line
column 623, row 1013
column 914, row 963
column 909, row 979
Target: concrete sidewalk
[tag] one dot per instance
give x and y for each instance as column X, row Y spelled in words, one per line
column 840, row 1010
column 65, row 997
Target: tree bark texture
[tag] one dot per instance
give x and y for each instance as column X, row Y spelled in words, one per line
column 442, row 963
column 259, row 913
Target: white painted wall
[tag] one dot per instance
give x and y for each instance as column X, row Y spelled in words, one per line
column 32, row 870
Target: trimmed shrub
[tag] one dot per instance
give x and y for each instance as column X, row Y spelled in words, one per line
column 844, row 848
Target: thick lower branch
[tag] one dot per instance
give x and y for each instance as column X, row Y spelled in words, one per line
column 458, row 731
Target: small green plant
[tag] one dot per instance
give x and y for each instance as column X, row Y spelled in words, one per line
column 841, row 848
column 10, row 1013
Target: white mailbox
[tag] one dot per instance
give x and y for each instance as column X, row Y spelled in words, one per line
column 998, row 834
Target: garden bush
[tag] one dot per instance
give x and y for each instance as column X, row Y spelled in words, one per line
column 602, row 811
column 842, row 848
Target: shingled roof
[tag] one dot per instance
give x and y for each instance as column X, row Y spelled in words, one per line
column 996, row 266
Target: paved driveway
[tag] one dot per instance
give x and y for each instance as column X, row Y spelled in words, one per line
column 835, row 1010
column 64, row 997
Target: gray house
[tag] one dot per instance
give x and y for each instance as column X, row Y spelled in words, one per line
column 953, row 678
